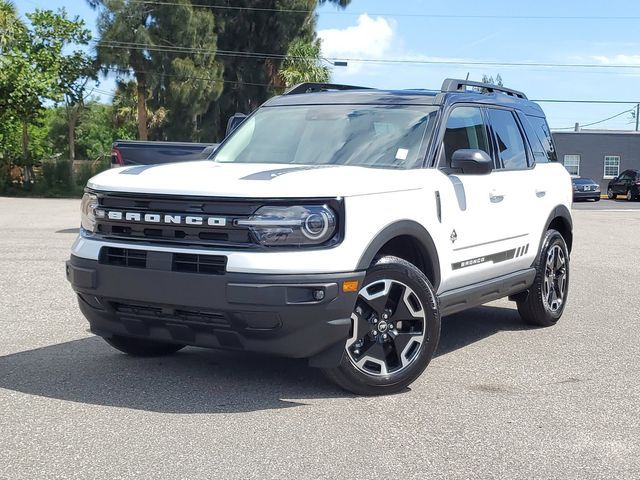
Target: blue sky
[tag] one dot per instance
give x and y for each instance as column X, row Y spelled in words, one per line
column 444, row 31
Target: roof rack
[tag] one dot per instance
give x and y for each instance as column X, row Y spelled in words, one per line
column 312, row 87
column 455, row 85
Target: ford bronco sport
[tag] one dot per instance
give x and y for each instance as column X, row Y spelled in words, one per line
column 338, row 224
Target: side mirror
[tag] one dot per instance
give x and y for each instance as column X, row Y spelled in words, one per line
column 235, row 120
column 473, row 162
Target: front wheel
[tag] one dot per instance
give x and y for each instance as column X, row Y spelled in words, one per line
column 395, row 330
column 139, row 347
column 544, row 303
column 610, row 194
column 630, row 196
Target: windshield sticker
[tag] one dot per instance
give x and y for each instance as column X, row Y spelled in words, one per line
column 402, row 154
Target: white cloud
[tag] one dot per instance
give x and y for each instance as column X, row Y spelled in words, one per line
column 620, row 59
column 370, row 38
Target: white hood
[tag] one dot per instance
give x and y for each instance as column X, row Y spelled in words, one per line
column 208, row 178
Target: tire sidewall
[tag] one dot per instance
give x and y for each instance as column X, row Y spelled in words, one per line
column 393, row 268
column 552, row 239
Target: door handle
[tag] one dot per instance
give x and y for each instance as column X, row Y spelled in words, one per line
column 540, row 193
column 496, row 197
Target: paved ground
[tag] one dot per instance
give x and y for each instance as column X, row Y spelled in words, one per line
column 500, row 400
column 605, row 204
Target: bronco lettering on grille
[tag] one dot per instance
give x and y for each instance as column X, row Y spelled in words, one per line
column 164, row 219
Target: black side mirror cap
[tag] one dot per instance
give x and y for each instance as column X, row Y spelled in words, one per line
column 472, row 162
column 234, row 121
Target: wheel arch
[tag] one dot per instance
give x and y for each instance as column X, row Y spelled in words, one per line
column 560, row 220
column 410, row 241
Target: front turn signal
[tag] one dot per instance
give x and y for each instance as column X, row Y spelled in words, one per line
column 350, row 286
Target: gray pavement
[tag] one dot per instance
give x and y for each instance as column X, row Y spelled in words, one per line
column 500, row 400
column 606, row 204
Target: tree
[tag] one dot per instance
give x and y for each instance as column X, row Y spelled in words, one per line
column 76, row 71
column 124, row 44
column 189, row 78
column 304, row 64
column 32, row 67
column 252, row 45
column 489, row 79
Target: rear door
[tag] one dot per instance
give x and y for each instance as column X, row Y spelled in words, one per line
column 524, row 189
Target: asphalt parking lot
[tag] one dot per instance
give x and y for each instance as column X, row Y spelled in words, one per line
column 500, row 400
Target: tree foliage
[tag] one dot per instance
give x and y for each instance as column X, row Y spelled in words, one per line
column 251, row 79
column 38, row 64
column 304, row 64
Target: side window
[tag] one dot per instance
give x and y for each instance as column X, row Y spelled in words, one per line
column 465, row 129
column 509, row 141
column 543, row 134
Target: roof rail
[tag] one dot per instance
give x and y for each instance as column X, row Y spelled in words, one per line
column 455, row 85
column 311, row 87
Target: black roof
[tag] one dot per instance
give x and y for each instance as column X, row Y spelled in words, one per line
column 323, row 94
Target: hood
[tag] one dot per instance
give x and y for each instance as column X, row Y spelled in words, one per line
column 208, row 178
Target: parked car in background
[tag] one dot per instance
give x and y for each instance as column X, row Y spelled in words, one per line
column 585, row 189
column 627, row 184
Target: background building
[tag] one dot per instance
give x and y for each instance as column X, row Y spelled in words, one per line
column 598, row 154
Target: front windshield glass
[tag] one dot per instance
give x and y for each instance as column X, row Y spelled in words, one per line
column 388, row 136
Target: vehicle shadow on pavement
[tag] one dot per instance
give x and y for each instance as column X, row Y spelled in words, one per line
column 199, row 380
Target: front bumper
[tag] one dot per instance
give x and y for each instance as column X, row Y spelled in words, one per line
column 275, row 314
column 586, row 195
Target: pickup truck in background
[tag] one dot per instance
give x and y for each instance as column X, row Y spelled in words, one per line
column 136, row 152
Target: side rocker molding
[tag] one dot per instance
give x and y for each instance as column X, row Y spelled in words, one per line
column 463, row 298
column 398, row 229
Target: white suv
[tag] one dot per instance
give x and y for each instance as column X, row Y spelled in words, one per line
column 335, row 223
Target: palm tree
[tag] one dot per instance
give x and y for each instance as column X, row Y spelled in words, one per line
column 304, row 64
column 10, row 24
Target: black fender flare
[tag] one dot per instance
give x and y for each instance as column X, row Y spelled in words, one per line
column 560, row 211
column 403, row 228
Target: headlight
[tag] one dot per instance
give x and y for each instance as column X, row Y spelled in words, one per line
column 292, row 225
column 88, row 206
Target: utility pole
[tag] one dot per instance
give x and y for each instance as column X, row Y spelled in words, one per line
column 637, row 114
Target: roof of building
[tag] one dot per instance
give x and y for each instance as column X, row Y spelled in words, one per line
column 596, row 132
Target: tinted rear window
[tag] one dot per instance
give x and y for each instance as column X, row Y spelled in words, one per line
column 540, row 139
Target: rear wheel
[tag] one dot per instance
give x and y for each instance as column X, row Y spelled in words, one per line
column 395, row 330
column 139, row 347
column 544, row 303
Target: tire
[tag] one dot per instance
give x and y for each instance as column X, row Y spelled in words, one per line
column 629, row 196
column 543, row 306
column 139, row 347
column 395, row 331
column 597, row 199
column 610, row 194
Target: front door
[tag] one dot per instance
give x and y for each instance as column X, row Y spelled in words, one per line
column 475, row 208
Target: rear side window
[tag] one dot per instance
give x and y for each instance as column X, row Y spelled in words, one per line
column 540, row 138
column 509, row 141
column 465, row 129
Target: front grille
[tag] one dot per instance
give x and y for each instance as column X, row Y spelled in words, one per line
column 192, row 263
column 163, row 314
column 177, row 262
column 123, row 257
column 227, row 235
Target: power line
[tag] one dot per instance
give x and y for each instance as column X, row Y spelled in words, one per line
column 261, row 55
column 389, row 14
column 599, row 121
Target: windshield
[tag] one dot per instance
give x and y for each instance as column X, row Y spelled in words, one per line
column 389, row 136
